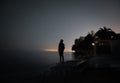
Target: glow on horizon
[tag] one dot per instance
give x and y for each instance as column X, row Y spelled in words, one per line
column 55, row 50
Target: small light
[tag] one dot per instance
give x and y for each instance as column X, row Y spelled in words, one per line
column 93, row 44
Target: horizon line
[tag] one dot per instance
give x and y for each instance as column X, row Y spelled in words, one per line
column 56, row 50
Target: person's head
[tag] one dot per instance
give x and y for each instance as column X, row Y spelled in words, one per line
column 61, row 41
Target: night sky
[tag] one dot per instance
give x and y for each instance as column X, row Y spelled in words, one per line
column 40, row 24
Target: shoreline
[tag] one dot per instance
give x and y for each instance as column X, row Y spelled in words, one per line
column 70, row 71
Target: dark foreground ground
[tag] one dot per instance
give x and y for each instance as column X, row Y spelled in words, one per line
column 94, row 70
column 84, row 73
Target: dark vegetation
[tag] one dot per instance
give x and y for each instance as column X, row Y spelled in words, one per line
column 84, row 46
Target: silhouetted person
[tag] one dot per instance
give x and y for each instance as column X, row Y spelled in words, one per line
column 61, row 48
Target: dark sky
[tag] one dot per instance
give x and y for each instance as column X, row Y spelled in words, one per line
column 40, row 24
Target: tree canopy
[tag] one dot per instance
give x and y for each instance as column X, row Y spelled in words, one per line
column 85, row 44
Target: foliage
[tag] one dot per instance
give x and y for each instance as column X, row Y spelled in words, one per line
column 105, row 34
column 84, row 45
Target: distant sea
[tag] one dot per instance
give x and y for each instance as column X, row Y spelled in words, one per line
column 16, row 64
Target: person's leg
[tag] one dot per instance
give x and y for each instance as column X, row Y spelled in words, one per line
column 60, row 59
column 62, row 56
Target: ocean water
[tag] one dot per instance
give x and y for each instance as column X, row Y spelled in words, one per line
column 19, row 64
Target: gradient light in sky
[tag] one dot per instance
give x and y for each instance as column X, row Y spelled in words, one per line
column 40, row 24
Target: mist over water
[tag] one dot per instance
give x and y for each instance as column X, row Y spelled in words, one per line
column 22, row 61
column 20, row 65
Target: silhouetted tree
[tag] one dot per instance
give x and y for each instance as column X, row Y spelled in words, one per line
column 117, row 37
column 105, row 34
column 76, row 46
column 83, row 45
